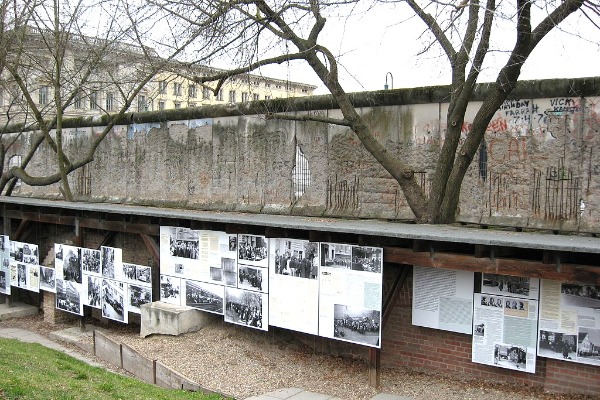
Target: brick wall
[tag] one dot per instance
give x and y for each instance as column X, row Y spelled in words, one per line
column 436, row 351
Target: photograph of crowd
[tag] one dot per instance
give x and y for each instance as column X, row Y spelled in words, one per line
column 47, row 279
column 137, row 273
column 557, row 345
column 505, row 284
column 588, row 345
column 357, row 325
column 94, row 284
column 368, row 259
column 244, row 307
column 68, row 297
column 138, row 295
column 113, row 300
column 90, row 260
column 507, row 356
column 170, row 289
column 298, row 258
column 204, row 296
column 336, row 255
column 253, row 250
column 24, row 252
column 184, row 243
column 71, row 270
column 108, row 262
column 229, row 268
column 251, row 278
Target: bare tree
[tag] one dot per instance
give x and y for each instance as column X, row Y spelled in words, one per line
column 61, row 54
column 290, row 30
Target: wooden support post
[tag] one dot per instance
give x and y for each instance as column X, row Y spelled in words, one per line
column 374, row 367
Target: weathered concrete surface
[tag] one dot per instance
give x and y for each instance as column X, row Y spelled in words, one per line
column 16, row 310
column 535, row 165
column 138, row 365
column 168, row 319
column 107, row 350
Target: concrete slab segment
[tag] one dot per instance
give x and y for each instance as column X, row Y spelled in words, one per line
column 17, row 310
column 390, row 396
column 285, row 393
column 168, row 319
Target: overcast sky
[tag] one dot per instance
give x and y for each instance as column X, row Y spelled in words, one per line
column 372, row 45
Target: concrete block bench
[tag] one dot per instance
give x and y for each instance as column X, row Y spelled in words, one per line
column 168, row 319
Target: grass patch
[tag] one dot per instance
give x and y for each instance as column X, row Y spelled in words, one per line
column 32, row 371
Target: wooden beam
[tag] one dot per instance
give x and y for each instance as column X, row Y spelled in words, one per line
column 393, row 294
column 152, row 247
column 374, row 367
column 19, row 234
column 504, row 266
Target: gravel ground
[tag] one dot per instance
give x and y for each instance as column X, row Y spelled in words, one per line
column 242, row 362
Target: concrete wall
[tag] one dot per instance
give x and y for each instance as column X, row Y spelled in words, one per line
column 541, row 156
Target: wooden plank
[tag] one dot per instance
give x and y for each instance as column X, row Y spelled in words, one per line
column 505, row 266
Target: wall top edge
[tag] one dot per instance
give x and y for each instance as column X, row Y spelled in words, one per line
column 546, row 88
column 436, row 233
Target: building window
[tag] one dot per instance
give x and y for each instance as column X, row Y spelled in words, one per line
column 267, row 97
column 206, row 93
column 177, row 104
column 142, row 103
column 176, row 89
column 161, row 105
column 232, row 96
column 192, row 91
column 44, row 97
column 162, row 87
column 255, row 96
column 93, row 101
column 278, row 86
column 191, row 105
column 220, row 95
column 78, row 102
column 244, row 97
column 304, row 90
column 110, row 101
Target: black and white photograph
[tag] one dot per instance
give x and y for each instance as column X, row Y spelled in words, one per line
column 216, row 274
column 490, row 301
column 113, row 300
column 170, row 289
column 139, row 274
column 588, row 345
column 297, row 258
column 580, row 295
column 90, row 261
column 367, row 259
column 252, row 278
column 139, row 295
column 335, row 255
column 68, row 297
column 244, row 307
column 22, row 275
column 504, row 284
column 479, row 330
column 184, row 243
column 3, row 281
column 14, row 276
column 92, row 292
column 513, row 357
column 204, row 296
column 253, row 250
column 24, row 252
column 71, row 266
column 557, row 345
column 108, row 262
column 47, row 279
column 229, row 268
column 232, row 243
column 356, row 325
